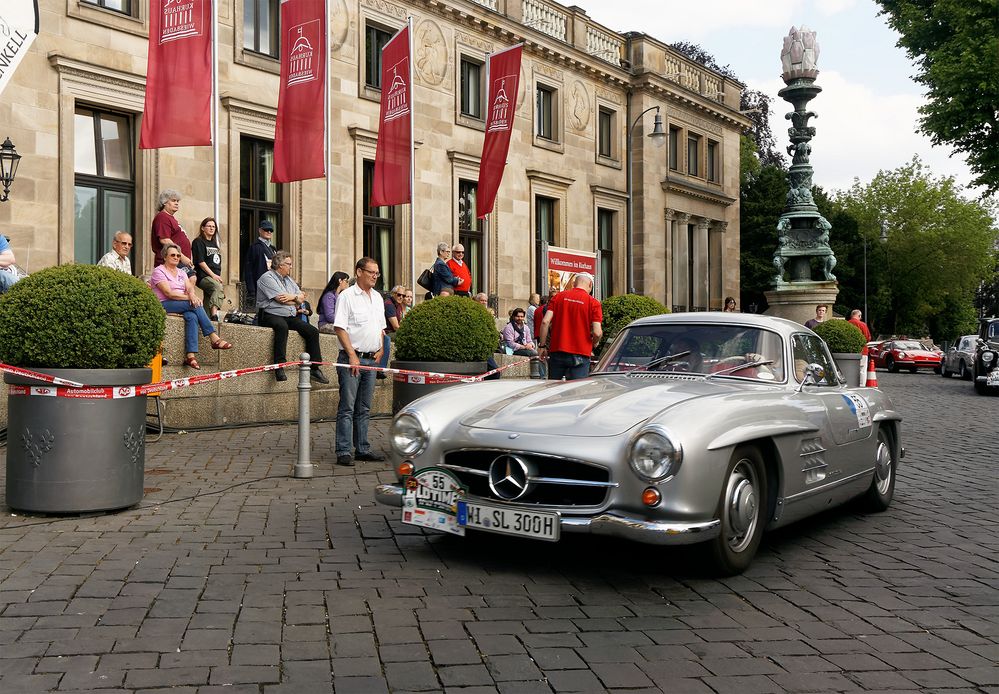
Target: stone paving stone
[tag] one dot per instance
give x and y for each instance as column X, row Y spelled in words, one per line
column 533, row 687
column 455, row 676
column 92, row 680
column 26, row 684
column 64, row 664
column 556, row 658
column 128, row 661
column 498, row 644
column 166, row 677
column 663, row 672
column 453, row 652
column 360, row 685
column 512, row 667
column 256, row 655
column 194, row 659
column 748, row 684
column 574, row 681
column 240, row 674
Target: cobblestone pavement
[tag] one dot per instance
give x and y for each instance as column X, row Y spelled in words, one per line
column 232, row 577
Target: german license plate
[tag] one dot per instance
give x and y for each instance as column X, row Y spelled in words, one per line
column 993, row 378
column 539, row 525
column 430, row 500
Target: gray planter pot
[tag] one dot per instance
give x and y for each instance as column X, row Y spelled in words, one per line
column 848, row 365
column 70, row 455
column 405, row 392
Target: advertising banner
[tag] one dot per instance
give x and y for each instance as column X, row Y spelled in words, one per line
column 504, row 82
column 178, row 108
column 18, row 29
column 391, row 185
column 563, row 264
column 300, row 131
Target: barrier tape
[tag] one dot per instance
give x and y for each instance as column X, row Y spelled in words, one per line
column 80, row 391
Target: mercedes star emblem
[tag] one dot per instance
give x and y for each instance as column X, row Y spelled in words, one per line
column 508, row 477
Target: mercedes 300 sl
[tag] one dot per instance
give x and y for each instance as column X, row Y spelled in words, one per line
column 693, row 428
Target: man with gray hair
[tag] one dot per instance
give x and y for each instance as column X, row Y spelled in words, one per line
column 167, row 228
column 573, row 322
column 117, row 258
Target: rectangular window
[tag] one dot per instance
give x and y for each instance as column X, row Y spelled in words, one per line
column 470, row 232
column 544, row 219
column 375, row 39
column 262, row 26
column 123, row 6
column 694, row 155
column 713, row 168
column 259, row 199
column 379, row 242
column 605, row 132
column 545, row 115
column 471, row 88
column 674, row 154
column 605, row 244
column 104, row 185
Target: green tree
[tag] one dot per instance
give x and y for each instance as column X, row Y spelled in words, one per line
column 763, row 194
column 937, row 249
column 955, row 45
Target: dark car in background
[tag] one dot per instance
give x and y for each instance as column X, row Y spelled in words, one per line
column 986, row 371
column 960, row 358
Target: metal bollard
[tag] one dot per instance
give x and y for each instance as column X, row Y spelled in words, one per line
column 303, row 466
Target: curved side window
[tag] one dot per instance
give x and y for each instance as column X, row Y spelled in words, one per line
column 810, row 349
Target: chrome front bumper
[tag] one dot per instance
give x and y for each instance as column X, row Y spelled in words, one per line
column 610, row 524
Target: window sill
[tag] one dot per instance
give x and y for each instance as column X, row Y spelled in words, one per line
column 110, row 18
column 609, row 161
column 470, row 122
column 260, row 61
column 551, row 145
column 370, row 93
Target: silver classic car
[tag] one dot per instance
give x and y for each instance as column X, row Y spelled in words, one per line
column 693, row 428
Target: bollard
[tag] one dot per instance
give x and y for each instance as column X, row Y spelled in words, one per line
column 303, row 466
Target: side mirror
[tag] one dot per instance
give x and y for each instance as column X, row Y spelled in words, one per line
column 814, row 375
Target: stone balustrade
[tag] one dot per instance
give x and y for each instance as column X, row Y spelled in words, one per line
column 548, row 19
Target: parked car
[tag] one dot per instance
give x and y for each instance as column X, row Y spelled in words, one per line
column 693, row 428
column 986, row 371
column 907, row 354
column 960, row 358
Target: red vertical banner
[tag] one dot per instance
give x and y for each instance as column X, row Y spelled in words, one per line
column 504, row 84
column 392, row 184
column 300, row 132
column 178, row 109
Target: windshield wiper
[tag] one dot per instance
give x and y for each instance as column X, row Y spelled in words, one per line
column 660, row 361
column 739, row 367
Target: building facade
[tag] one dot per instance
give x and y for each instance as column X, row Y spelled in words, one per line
column 74, row 107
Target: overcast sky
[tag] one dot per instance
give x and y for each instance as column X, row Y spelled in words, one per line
column 867, row 108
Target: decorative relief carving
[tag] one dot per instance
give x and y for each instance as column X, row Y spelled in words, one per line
column 386, row 8
column 612, row 97
column 699, row 123
column 579, row 106
column 339, row 23
column 37, row 444
column 431, row 52
column 548, row 71
column 473, row 41
column 524, row 85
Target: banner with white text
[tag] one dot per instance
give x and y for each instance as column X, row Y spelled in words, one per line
column 18, row 29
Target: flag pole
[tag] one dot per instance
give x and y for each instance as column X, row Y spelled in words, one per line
column 412, row 163
column 215, row 109
column 485, row 232
column 329, row 149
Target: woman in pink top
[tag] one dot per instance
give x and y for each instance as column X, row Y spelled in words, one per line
column 175, row 290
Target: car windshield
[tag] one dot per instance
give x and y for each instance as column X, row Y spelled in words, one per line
column 697, row 349
column 909, row 345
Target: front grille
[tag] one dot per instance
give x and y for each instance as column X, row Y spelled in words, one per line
column 554, row 481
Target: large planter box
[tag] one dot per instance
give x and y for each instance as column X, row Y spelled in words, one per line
column 406, row 389
column 849, row 365
column 69, row 455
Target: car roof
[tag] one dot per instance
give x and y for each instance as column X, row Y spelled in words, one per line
column 782, row 326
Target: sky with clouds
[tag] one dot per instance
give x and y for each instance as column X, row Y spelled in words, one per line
column 867, row 109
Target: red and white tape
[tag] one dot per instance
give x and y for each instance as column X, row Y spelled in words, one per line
column 62, row 388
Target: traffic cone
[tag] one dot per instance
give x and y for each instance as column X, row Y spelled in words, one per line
column 872, row 374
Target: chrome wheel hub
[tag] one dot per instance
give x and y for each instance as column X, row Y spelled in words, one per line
column 741, row 506
column 882, row 467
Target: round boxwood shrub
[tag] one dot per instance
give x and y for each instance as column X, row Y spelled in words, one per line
column 80, row 317
column 621, row 310
column 447, row 328
column 841, row 336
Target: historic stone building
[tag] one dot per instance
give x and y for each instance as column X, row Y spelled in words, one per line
column 74, row 107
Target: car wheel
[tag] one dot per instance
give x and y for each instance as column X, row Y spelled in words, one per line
column 962, row 371
column 981, row 388
column 891, row 366
column 882, row 489
column 937, row 369
column 742, row 510
column 944, row 372
column 913, row 370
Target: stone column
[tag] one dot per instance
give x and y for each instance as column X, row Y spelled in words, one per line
column 700, row 255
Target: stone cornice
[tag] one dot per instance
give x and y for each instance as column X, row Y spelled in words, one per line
column 693, row 190
column 248, row 109
column 70, row 67
column 546, row 177
column 608, row 192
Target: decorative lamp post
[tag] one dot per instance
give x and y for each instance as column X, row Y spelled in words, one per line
column 658, row 137
column 8, row 166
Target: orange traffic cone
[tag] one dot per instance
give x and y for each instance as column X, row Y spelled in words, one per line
column 872, row 374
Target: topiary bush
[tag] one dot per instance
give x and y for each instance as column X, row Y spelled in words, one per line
column 841, row 336
column 80, row 317
column 447, row 328
column 621, row 310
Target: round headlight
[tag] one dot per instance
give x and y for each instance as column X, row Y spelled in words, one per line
column 409, row 435
column 653, row 456
column 987, row 357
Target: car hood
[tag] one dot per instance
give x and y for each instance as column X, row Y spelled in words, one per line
column 602, row 406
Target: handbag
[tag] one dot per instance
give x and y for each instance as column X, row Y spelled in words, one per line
column 426, row 279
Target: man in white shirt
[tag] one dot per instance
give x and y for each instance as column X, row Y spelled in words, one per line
column 117, row 258
column 359, row 323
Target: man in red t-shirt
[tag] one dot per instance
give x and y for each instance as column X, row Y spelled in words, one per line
column 573, row 320
column 856, row 316
column 460, row 270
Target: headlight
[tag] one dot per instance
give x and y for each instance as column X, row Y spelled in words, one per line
column 653, row 456
column 901, row 355
column 409, row 434
column 987, row 357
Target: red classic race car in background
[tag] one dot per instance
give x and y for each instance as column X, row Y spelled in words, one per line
column 905, row 354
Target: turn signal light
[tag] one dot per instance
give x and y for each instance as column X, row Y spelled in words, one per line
column 651, row 496
column 405, row 469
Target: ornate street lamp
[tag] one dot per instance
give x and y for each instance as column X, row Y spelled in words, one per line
column 658, row 137
column 8, row 166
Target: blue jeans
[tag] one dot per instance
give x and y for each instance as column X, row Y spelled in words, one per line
column 568, row 366
column 356, row 393
column 7, row 280
column 386, row 350
column 193, row 317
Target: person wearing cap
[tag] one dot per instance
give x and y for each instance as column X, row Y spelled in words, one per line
column 258, row 259
column 573, row 322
